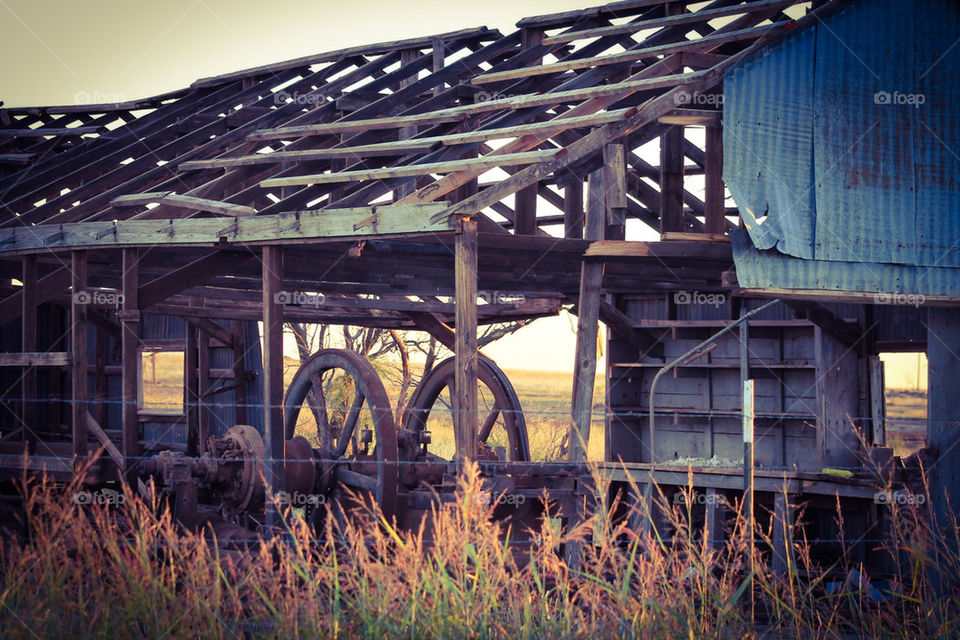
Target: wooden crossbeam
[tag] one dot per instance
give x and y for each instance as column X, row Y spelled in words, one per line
column 611, row 10
column 188, row 202
column 415, row 144
column 35, row 359
column 455, row 114
column 491, row 162
column 301, row 226
column 669, row 21
column 52, row 131
column 700, row 44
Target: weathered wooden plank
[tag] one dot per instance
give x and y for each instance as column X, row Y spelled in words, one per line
column 268, row 229
column 878, row 405
column 610, row 10
column 465, row 378
column 411, row 145
column 130, row 361
column 585, row 365
column 469, row 164
column 449, row 182
column 192, row 274
column 713, row 198
column 28, row 339
column 705, row 43
column 35, row 359
column 671, row 180
column 455, row 114
column 78, row 353
column 51, row 131
column 692, row 117
column 274, row 437
column 693, row 17
column 94, row 427
column 573, row 210
column 172, row 199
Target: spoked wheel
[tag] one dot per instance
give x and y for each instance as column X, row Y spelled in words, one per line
column 342, row 394
column 500, row 423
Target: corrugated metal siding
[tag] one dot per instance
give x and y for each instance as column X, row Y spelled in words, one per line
column 883, row 178
column 769, row 269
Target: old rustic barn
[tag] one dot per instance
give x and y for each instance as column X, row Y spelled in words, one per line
column 400, row 179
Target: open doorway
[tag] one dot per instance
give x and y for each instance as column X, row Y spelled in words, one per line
column 905, row 392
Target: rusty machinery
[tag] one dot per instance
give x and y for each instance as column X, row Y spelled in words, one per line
column 359, row 452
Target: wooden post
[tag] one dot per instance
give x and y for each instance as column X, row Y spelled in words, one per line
column 525, row 200
column 239, row 371
column 943, row 412
column 525, row 211
column 439, row 55
column 130, row 360
column 407, row 56
column 748, row 509
column 465, row 381
column 573, row 210
column 273, row 375
column 191, row 390
column 714, row 517
column 585, row 365
column 782, row 534
column 78, row 348
column 713, row 193
column 671, row 179
column 203, row 385
column 28, row 343
column 615, row 191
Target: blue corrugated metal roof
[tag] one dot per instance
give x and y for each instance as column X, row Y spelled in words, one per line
column 846, row 136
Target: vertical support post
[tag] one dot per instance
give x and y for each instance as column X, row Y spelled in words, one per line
column 525, row 200
column 28, row 343
column 407, row 56
column 615, row 191
column 714, row 517
column 573, row 210
column 273, row 374
column 465, row 380
column 78, row 348
column 671, row 180
column 130, row 360
column 191, row 391
column 203, row 385
column 239, row 373
column 943, row 412
column 525, row 211
column 439, row 55
column 713, row 193
column 100, row 376
column 782, row 534
column 748, row 509
column 878, row 404
column 588, row 314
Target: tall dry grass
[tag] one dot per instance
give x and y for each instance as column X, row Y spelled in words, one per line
column 94, row 570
